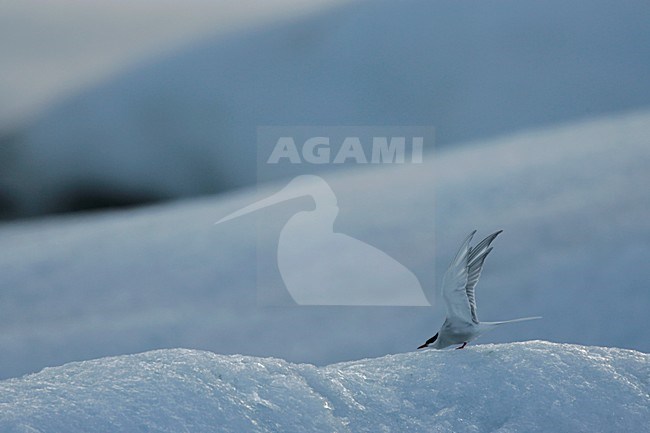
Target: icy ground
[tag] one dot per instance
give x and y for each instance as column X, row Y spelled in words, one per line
column 573, row 202
column 525, row 387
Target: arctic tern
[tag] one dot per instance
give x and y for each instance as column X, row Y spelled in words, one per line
column 462, row 325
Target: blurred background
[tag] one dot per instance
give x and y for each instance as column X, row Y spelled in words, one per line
column 541, row 126
column 118, row 103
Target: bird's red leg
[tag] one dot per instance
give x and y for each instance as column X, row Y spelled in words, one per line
column 461, row 347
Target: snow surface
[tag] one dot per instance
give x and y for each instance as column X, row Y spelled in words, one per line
column 524, row 387
column 573, row 202
column 187, row 125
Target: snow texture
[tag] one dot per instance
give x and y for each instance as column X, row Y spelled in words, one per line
column 186, row 125
column 572, row 201
column 525, row 387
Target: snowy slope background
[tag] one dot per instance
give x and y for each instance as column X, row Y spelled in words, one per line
column 185, row 125
column 565, row 174
column 56, row 48
column 523, row 387
column 573, row 201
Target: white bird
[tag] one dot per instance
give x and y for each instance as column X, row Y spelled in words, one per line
column 461, row 324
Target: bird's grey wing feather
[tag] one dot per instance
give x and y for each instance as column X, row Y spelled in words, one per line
column 475, row 260
column 454, row 285
column 461, row 277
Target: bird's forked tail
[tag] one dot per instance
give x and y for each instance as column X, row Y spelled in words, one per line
column 523, row 319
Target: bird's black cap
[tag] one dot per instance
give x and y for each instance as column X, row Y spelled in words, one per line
column 429, row 341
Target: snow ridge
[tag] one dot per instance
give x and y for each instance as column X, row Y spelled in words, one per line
column 529, row 386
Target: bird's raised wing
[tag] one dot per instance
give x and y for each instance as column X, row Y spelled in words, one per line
column 461, row 278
